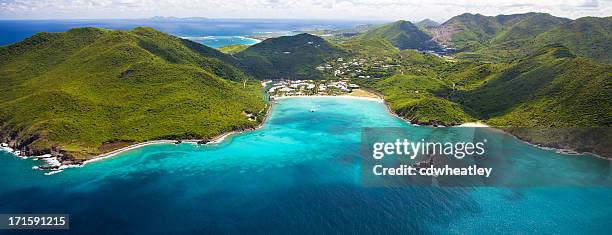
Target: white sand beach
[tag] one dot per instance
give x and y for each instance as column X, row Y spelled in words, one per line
column 473, row 124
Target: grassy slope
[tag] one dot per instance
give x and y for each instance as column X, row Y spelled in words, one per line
column 288, row 57
column 233, row 49
column 86, row 87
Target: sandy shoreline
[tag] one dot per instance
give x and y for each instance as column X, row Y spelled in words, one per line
column 330, row 96
column 214, row 140
column 217, row 139
column 473, row 124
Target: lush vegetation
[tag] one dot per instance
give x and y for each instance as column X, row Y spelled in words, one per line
column 369, row 47
column 510, row 37
column 86, row 89
column 589, row 36
column 420, row 99
column 288, row 57
column 552, row 88
column 401, row 34
column 515, row 71
column 233, row 49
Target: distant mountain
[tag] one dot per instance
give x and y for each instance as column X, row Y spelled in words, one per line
column 469, row 32
column 402, row 34
column 526, row 27
column 509, row 37
column 88, row 91
column 426, row 23
column 289, row 57
column 176, row 19
column 466, row 31
column 588, row 36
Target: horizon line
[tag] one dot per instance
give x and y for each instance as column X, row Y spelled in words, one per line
column 283, row 18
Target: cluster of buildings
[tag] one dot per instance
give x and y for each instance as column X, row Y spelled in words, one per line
column 279, row 88
column 370, row 67
column 440, row 52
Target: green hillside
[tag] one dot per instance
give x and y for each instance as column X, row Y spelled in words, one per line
column 588, row 36
column 509, row 37
column 524, row 27
column 369, row 47
column 89, row 91
column 402, row 34
column 288, row 57
column 468, row 32
column 552, row 88
column 233, row 49
column 420, row 100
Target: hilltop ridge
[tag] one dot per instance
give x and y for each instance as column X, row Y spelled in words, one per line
column 403, row 35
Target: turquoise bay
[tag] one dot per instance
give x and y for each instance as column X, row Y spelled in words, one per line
column 220, row 41
column 300, row 173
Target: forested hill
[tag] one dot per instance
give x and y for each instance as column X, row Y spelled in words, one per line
column 88, row 91
column 288, row 57
column 403, row 35
column 470, row 32
column 508, row 37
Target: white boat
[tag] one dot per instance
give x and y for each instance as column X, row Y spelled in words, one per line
column 312, row 110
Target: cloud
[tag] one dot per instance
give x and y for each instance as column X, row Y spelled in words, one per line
column 338, row 9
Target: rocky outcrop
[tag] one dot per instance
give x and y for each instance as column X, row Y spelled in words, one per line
column 442, row 34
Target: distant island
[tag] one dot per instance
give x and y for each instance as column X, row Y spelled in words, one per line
column 88, row 91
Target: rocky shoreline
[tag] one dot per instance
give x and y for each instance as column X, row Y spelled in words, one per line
column 55, row 160
column 561, row 149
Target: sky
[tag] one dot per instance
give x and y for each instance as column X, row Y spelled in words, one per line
column 439, row 10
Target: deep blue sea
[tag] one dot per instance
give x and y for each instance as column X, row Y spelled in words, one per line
column 300, row 174
column 12, row 31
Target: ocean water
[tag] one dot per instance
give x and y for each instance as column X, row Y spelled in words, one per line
column 12, row 31
column 220, row 41
column 300, row 173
